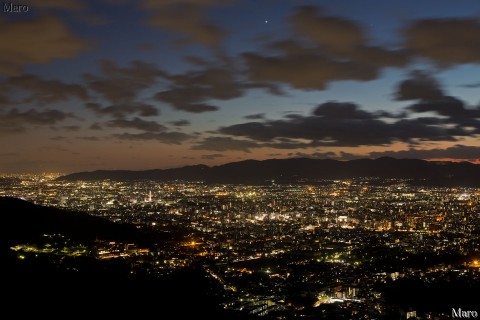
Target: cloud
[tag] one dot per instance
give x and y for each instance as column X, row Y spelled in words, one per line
column 340, row 39
column 187, row 18
column 471, row 85
column 58, row 138
column 15, row 121
column 163, row 137
column 456, row 152
column 71, row 128
column 452, row 108
column 184, row 100
column 5, row 99
column 32, row 116
column 43, row 92
column 7, row 128
column 72, row 5
column 224, row 144
column 121, row 86
column 344, row 124
column 146, row 47
column 227, row 143
column 122, row 110
column 255, row 116
column 420, row 86
column 315, row 155
column 136, row 123
column 36, row 41
column 341, row 110
column 95, row 126
column 88, row 138
column 312, row 69
column 307, row 70
column 181, row 123
column 212, row 156
column 192, row 91
column 321, row 49
column 337, row 35
column 445, row 41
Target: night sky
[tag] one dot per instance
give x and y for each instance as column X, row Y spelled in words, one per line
column 158, row 84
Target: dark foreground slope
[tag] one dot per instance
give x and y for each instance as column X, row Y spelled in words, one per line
column 56, row 286
column 304, row 170
column 22, row 221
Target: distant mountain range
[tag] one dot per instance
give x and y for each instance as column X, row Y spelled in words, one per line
column 304, row 170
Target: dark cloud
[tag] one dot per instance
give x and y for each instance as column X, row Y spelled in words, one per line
column 285, row 143
column 456, row 152
column 471, row 85
column 227, row 143
column 163, row 137
column 58, row 138
column 311, row 68
column 255, row 116
column 36, row 41
column 420, row 86
column 96, row 126
column 224, row 144
column 446, row 41
column 121, row 85
column 378, row 57
column 72, row 5
column 32, row 116
column 88, row 138
column 197, row 61
column 452, row 108
column 181, row 123
column 192, row 91
column 337, row 35
column 212, row 156
column 15, row 121
column 323, row 49
column 341, row 110
column 43, row 92
column 146, row 47
column 293, row 115
column 122, row 110
column 344, row 124
column 71, row 128
column 7, row 128
column 176, row 99
column 187, row 18
column 136, row 123
column 315, row 155
column 307, row 70
column 271, row 88
column 93, row 19
column 4, row 99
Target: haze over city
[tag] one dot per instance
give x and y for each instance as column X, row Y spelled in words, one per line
column 159, row 84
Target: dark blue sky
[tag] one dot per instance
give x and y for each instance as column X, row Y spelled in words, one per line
column 154, row 84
